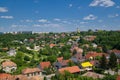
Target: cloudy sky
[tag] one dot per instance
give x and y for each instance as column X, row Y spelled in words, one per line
column 59, row 15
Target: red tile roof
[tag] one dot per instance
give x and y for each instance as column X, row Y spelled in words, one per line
column 8, row 64
column 30, row 70
column 118, row 77
column 59, row 59
column 116, row 51
column 52, row 45
column 4, row 76
column 45, row 64
column 93, row 54
column 73, row 69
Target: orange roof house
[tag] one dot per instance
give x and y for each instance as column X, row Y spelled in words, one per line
column 73, row 69
column 30, row 72
column 91, row 55
column 45, row 65
column 9, row 66
column 4, row 76
column 52, row 45
column 90, row 38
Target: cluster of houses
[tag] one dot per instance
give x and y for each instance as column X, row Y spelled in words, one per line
column 60, row 65
column 86, row 63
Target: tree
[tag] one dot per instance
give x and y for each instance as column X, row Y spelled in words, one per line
column 103, row 62
column 52, row 58
column 112, row 60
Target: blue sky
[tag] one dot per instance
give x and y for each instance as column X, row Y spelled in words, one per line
column 59, row 15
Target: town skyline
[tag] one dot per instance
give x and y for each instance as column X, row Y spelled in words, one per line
column 59, row 15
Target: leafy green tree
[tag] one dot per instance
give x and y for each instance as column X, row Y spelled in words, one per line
column 112, row 61
column 103, row 62
column 52, row 58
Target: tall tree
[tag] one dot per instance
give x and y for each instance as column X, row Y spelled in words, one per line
column 103, row 62
column 112, row 60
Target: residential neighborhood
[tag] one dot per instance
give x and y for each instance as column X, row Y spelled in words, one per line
column 81, row 58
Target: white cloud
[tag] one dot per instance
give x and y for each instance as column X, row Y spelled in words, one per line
column 16, row 26
column 103, row 3
column 3, row 9
column 43, row 20
column 56, row 19
column 70, row 5
column 113, row 16
column 47, row 25
column 6, row 17
column 90, row 17
column 83, row 22
column 66, row 22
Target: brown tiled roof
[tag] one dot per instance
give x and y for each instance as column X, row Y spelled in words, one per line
column 116, row 51
column 45, row 64
column 93, row 54
column 52, row 45
column 4, row 76
column 118, row 77
column 30, row 70
column 93, row 75
column 73, row 69
column 8, row 64
column 59, row 59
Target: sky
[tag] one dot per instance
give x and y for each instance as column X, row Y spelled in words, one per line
column 59, row 15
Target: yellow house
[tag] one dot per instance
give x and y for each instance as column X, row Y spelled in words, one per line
column 87, row 65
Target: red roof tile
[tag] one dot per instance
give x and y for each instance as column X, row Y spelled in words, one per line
column 8, row 64
column 116, row 51
column 4, row 76
column 30, row 70
column 94, row 54
column 73, row 69
column 52, row 45
column 45, row 64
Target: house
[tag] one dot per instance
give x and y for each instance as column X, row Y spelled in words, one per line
column 77, row 49
column 9, row 66
column 117, row 52
column 12, row 52
column 89, row 38
column 93, row 75
column 5, row 76
column 52, row 45
column 95, row 63
column 30, row 72
column 72, row 70
column 77, row 58
column 87, row 65
column 44, row 65
column 61, row 64
column 92, row 55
